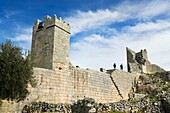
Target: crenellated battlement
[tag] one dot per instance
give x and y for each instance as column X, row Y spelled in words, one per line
column 51, row 22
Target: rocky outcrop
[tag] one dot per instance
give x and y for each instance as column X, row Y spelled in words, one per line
column 88, row 105
column 155, row 89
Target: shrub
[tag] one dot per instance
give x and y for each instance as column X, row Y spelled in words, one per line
column 15, row 72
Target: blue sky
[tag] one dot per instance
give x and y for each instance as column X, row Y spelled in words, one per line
column 100, row 29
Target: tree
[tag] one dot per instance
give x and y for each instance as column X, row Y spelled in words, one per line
column 16, row 72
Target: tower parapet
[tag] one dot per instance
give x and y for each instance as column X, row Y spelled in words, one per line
column 50, row 22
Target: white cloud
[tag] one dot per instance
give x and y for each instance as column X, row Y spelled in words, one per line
column 24, row 34
column 149, row 26
column 91, row 52
column 97, row 51
column 154, row 8
column 157, row 44
column 88, row 20
column 23, row 37
column 145, row 10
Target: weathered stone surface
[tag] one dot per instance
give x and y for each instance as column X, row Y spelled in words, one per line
column 58, row 87
column 50, row 43
column 124, row 82
column 139, row 63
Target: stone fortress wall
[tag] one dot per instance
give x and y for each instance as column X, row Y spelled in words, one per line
column 60, row 82
column 56, row 87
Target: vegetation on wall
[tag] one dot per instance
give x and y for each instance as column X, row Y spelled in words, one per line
column 16, row 72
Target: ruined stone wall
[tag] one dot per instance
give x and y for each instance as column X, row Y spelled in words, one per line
column 153, row 68
column 139, row 63
column 132, row 64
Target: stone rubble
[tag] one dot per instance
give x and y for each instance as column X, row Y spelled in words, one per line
column 85, row 106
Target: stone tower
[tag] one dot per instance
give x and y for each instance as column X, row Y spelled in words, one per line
column 50, row 43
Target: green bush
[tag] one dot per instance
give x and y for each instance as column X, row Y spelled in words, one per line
column 15, row 72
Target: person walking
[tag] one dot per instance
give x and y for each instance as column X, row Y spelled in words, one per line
column 121, row 66
column 114, row 65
